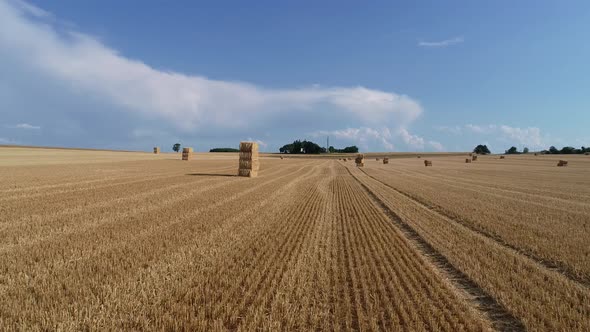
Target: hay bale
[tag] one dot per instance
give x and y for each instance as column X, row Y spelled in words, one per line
column 535, row 153
column 474, row 158
column 249, row 164
column 376, row 159
column 156, row 150
column 467, row 161
column 418, row 157
column 562, row 163
column 360, row 160
column 281, row 157
column 471, row 154
column 502, row 157
column 427, row 163
column 586, row 154
column 385, row 160
column 187, row 153
column 248, row 147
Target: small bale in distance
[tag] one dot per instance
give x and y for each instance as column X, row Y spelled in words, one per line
column 427, row 163
column 562, row 163
column 467, row 161
column 156, row 150
column 385, row 161
column 502, row 157
column 474, row 158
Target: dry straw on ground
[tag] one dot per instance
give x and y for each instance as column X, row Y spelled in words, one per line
column 187, row 153
column 249, row 162
column 312, row 245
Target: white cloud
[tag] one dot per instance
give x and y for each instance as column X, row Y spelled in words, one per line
column 530, row 136
column 481, row 129
column 436, row 146
column 188, row 102
column 7, row 141
column 442, row 43
column 384, row 138
column 25, row 126
column 455, row 130
column 413, row 141
column 362, row 136
column 261, row 143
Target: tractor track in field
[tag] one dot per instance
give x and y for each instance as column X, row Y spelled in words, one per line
column 552, row 266
column 500, row 317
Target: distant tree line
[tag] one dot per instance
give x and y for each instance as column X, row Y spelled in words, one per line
column 483, row 149
column 348, row 149
column 566, row 150
column 224, row 150
column 308, row 147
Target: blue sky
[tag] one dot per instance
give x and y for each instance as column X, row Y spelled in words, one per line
column 386, row 76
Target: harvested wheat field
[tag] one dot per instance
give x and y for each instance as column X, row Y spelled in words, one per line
column 98, row 240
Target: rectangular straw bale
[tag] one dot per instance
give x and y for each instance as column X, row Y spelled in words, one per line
column 427, row 163
column 156, row 150
column 187, row 150
column 467, row 161
column 248, row 155
column 385, row 160
column 248, row 147
column 474, row 158
column 502, row 157
column 360, row 158
column 249, row 164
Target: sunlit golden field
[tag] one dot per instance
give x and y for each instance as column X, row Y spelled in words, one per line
column 99, row 240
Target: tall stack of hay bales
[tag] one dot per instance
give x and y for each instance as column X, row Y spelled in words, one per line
column 385, row 160
column 360, row 160
column 156, row 150
column 474, row 158
column 187, row 153
column 249, row 163
column 427, row 163
column 468, row 161
column 562, row 163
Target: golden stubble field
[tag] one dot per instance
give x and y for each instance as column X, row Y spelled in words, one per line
column 98, row 240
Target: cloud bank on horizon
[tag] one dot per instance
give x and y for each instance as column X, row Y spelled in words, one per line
column 84, row 66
